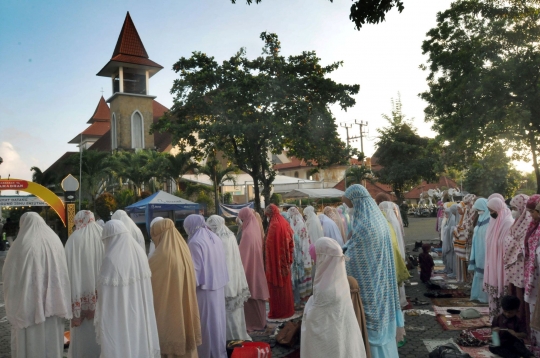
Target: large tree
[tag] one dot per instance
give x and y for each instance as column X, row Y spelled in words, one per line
column 493, row 173
column 406, row 158
column 251, row 109
column 365, row 11
column 484, row 79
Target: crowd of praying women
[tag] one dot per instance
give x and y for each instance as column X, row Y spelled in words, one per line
column 498, row 244
column 344, row 267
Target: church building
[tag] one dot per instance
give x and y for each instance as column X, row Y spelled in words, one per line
column 122, row 122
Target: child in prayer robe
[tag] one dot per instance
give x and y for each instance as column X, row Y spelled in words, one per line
column 426, row 263
column 511, row 330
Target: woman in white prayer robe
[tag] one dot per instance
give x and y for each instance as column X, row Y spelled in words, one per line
column 237, row 290
column 329, row 327
column 152, row 247
column 36, row 290
column 133, row 229
column 125, row 319
column 84, row 253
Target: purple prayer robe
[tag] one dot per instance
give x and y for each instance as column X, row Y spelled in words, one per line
column 210, row 267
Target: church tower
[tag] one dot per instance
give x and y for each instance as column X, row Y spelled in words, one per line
column 131, row 106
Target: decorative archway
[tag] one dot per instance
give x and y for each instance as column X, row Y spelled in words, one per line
column 38, row 190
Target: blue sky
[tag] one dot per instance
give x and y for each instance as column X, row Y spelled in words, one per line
column 50, row 52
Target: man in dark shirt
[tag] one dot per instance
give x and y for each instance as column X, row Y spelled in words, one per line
column 511, row 330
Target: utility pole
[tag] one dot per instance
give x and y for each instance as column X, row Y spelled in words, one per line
column 346, row 126
column 361, row 124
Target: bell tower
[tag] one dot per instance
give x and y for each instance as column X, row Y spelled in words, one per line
column 130, row 71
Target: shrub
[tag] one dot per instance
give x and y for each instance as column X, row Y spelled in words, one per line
column 105, row 203
column 275, row 199
column 228, row 198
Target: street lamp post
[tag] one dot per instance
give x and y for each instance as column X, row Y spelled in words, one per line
column 70, row 184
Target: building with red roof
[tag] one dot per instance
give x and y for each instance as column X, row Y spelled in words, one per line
column 123, row 121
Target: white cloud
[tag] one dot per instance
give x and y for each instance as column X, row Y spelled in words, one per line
column 13, row 165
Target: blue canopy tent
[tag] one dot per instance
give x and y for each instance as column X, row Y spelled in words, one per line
column 162, row 201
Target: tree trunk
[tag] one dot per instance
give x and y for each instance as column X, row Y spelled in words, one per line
column 532, row 142
column 257, row 198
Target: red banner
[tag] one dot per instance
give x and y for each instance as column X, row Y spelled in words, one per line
column 13, row 184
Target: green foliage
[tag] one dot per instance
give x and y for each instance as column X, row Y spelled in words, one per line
column 105, row 203
column 493, row 174
column 178, row 165
column 365, row 11
column 95, row 169
column 357, row 174
column 48, row 179
column 528, row 184
column 406, row 157
column 217, row 174
column 483, row 63
column 204, row 198
column 194, row 189
column 139, row 166
column 247, row 109
column 276, row 199
column 228, row 198
column 124, row 197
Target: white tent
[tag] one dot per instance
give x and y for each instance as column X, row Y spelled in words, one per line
column 313, row 193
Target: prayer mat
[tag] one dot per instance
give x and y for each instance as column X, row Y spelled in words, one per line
column 455, row 323
column 409, row 306
column 456, row 293
column 443, row 310
column 280, row 320
column 478, row 352
column 268, row 331
column 457, row 302
column 483, row 334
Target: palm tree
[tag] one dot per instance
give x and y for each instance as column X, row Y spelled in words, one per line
column 95, row 169
column 218, row 175
column 179, row 165
column 357, row 174
column 133, row 166
column 47, row 179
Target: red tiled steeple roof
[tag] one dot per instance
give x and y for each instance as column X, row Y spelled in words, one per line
column 96, row 129
column 102, row 112
column 129, row 49
column 129, row 42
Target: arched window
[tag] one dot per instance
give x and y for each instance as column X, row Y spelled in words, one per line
column 137, row 130
column 296, row 174
column 114, row 134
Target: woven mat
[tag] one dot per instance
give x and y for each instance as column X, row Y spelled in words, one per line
column 455, row 323
column 457, row 302
column 443, row 310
